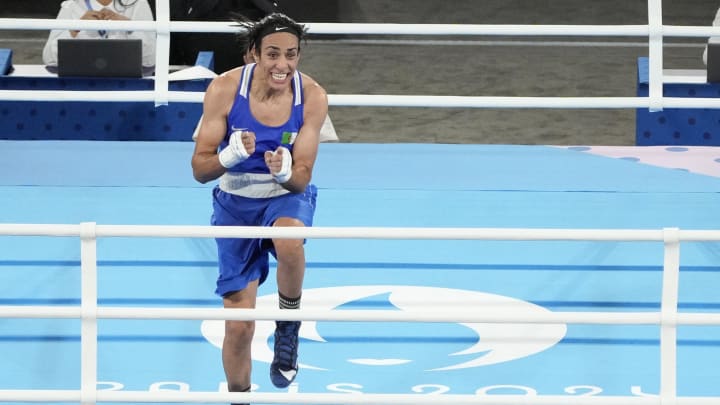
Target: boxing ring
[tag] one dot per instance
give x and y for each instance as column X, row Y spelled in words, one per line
column 495, row 275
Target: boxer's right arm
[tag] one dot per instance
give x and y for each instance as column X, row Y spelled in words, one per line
column 219, row 97
column 240, row 146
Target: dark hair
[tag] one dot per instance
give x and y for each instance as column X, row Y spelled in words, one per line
column 253, row 32
column 124, row 3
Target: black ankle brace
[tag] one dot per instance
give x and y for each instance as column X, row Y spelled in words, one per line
column 288, row 303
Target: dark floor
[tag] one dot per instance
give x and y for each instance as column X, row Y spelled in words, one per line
column 474, row 66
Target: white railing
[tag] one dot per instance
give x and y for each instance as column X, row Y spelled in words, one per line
column 89, row 312
column 654, row 31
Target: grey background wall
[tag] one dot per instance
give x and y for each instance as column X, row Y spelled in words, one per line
column 676, row 12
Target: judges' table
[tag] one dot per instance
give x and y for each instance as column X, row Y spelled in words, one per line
column 678, row 126
column 77, row 120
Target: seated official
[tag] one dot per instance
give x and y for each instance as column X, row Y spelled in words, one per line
column 138, row 10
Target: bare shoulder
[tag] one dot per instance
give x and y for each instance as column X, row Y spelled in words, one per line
column 310, row 84
column 224, row 85
column 313, row 90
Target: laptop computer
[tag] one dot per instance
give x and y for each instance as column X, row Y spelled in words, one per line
column 713, row 62
column 99, row 58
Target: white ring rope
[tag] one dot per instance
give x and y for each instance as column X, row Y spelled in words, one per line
column 89, row 312
column 377, row 28
column 334, row 399
column 654, row 31
column 365, row 100
column 429, row 315
column 497, row 234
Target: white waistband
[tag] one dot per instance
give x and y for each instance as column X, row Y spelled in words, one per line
column 252, row 185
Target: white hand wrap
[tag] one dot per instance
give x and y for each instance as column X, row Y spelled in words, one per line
column 283, row 176
column 235, row 152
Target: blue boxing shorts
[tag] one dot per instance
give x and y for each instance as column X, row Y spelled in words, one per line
column 242, row 260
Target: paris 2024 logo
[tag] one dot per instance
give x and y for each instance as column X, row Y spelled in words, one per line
column 405, row 346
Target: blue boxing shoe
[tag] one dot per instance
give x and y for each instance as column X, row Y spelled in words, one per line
column 284, row 367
